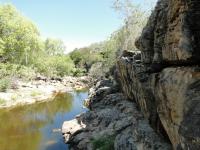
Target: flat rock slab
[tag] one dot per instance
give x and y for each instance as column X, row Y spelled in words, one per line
column 71, row 127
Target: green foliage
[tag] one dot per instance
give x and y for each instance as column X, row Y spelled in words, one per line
column 54, row 47
column 9, row 72
column 97, row 70
column 22, row 52
column 1, row 47
column 16, row 71
column 104, row 143
column 25, row 72
column 85, row 57
column 19, row 36
column 2, row 101
column 4, row 84
column 99, row 58
column 55, row 66
column 96, row 59
column 135, row 19
column 78, row 72
column 63, row 65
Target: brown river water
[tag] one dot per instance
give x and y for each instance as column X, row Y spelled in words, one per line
column 36, row 127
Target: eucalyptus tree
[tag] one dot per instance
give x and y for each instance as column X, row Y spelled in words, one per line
column 135, row 15
column 54, row 47
column 19, row 36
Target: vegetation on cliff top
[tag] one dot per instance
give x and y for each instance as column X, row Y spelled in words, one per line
column 99, row 58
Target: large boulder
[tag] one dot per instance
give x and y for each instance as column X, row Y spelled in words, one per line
column 177, row 94
column 172, row 33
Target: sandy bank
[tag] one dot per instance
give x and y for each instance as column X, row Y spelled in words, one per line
column 39, row 90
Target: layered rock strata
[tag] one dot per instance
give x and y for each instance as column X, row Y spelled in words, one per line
column 166, row 82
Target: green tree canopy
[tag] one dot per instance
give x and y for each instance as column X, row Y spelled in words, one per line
column 54, row 47
column 19, row 35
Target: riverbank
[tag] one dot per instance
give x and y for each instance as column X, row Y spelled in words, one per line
column 113, row 122
column 40, row 89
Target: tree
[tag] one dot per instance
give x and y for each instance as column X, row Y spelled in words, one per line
column 1, row 48
column 85, row 57
column 20, row 37
column 135, row 17
column 53, row 66
column 54, row 47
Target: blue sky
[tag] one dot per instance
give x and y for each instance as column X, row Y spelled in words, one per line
column 77, row 22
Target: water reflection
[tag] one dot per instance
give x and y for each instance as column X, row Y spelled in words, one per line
column 30, row 127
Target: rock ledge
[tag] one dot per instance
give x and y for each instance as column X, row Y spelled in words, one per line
column 111, row 118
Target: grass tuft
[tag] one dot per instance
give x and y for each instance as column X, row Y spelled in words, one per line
column 104, row 143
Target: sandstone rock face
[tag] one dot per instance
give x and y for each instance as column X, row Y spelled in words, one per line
column 170, row 99
column 178, row 99
column 172, row 33
column 166, row 82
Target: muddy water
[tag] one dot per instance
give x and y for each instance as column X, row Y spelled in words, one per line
column 36, row 127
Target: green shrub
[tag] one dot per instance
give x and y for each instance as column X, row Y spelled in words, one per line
column 104, row 143
column 25, row 72
column 7, row 69
column 4, row 84
column 14, row 97
column 2, row 101
column 97, row 70
column 15, row 70
column 35, row 93
column 78, row 72
column 55, row 66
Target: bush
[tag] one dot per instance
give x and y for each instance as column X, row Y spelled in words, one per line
column 55, row 66
column 2, row 101
column 96, row 71
column 7, row 69
column 4, row 84
column 13, row 70
column 104, row 143
column 78, row 72
column 25, row 73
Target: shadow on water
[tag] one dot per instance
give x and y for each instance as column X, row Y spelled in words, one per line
column 31, row 127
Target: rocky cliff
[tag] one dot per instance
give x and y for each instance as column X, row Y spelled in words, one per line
column 164, row 79
column 112, row 122
column 161, row 89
